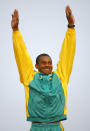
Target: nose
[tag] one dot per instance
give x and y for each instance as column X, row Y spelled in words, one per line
column 46, row 65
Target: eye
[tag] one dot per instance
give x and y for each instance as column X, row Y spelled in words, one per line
column 49, row 62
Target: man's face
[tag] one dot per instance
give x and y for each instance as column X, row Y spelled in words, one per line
column 44, row 65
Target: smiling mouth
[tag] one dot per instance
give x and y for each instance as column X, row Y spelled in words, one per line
column 46, row 69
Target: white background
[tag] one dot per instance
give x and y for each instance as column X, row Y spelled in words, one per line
column 43, row 25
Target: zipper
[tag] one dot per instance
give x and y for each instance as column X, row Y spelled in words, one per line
column 47, row 104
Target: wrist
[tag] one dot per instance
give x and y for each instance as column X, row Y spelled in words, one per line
column 71, row 26
column 15, row 29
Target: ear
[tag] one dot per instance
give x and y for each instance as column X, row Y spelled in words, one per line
column 36, row 66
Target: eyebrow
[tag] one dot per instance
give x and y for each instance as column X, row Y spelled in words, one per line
column 46, row 61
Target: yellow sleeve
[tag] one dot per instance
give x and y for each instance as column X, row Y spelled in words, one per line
column 66, row 56
column 23, row 60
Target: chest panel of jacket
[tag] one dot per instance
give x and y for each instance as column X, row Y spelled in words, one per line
column 46, row 98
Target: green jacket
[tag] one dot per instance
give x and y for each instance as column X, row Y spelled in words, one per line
column 46, row 95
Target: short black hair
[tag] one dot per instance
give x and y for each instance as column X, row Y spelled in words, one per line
column 38, row 57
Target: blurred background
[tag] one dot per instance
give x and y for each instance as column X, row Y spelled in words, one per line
column 43, row 25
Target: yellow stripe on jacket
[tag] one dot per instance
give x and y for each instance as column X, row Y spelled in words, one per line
column 24, row 63
column 65, row 63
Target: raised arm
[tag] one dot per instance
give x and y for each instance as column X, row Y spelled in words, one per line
column 66, row 56
column 23, row 60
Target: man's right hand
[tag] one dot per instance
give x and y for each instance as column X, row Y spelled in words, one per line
column 69, row 16
column 15, row 20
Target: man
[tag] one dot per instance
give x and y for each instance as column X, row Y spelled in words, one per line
column 45, row 90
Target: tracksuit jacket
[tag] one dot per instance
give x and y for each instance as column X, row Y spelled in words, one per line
column 46, row 95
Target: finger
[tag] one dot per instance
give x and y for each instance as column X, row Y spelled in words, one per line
column 68, row 11
column 16, row 12
column 67, row 7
